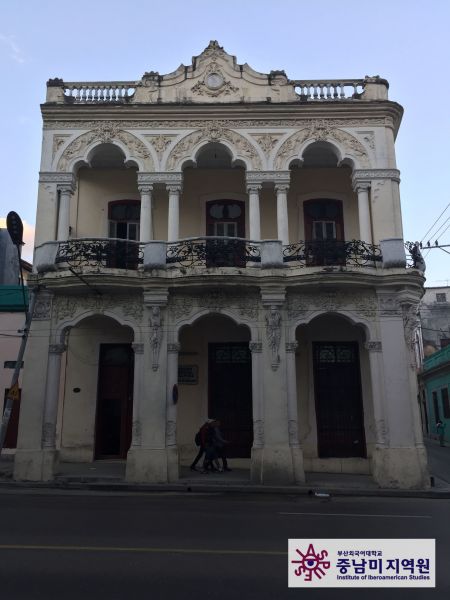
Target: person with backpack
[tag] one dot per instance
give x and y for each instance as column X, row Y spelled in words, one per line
column 201, row 439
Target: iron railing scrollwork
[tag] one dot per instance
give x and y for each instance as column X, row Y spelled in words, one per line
column 213, row 252
column 108, row 253
column 325, row 253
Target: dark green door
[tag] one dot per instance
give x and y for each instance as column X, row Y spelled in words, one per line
column 230, row 395
column 339, row 410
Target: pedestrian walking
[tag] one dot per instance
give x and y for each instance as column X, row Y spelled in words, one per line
column 219, row 444
column 200, row 441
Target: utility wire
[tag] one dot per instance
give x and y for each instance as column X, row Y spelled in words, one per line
column 435, row 222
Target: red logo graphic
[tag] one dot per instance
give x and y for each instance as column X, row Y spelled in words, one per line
column 311, row 563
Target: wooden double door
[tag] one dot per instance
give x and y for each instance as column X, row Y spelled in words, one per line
column 230, row 395
column 114, row 401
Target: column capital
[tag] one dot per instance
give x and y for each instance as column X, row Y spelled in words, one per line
column 174, row 187
column 291, row 347
column 254, row 188
column 370, row 174
column 255, row 347
column 281, row 187
column 173, row 347
column 164, row 177
column 360, row 185
column 146, row 188
column 57, row 348
column 137, row 348
column 65, row 188
column 373, row 346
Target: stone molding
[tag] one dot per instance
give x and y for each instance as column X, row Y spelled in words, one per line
column 373, row 346
column 291, row 347
column 259, row 177
column 255, row 347
column 66, row 307
column 173, row 347
column 59, row 178
column 137, row 348
column 216, row 300
column 43, row 307
column 56, row 348
column 359, row 302
column 370, row 174
column 173, row 178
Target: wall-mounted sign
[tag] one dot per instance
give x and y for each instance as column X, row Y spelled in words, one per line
column 187, row 374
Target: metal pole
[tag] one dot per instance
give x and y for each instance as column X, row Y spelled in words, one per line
column 15, row 377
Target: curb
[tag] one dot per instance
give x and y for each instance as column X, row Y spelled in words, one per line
column 97, row 486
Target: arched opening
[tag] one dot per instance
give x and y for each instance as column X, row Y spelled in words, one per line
column 98, row 391
column 335, row 400
column 215, row 355
column 327, row 204
column 107, row 182
column 214, row 178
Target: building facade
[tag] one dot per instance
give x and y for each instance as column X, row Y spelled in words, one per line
column 218, row 242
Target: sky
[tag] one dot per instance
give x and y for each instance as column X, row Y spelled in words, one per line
column 403, row 41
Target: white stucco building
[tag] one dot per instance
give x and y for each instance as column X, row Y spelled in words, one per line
column 218, row 242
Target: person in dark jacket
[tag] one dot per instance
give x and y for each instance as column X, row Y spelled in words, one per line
column 219, row 444
column 204, row 434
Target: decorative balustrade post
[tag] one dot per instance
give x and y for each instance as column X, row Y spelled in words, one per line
column 65, row 193
column 254, row 214
column 146, row 225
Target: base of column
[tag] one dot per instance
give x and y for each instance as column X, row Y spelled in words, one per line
column 146, row 465
column 277, row 465
column 401, row 468
column 297, row 463
column 173, row 471
column 35, row 465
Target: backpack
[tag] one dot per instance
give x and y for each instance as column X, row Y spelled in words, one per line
column 198, row 438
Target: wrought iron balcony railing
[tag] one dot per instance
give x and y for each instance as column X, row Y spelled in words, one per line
column 107, row 253
column 324, row 253
column 213, row 252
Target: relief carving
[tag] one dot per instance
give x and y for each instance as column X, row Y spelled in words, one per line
column 273, row 331
column 360, row 303
column 156, row 334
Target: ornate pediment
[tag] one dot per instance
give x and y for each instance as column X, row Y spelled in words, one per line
column 214, row 77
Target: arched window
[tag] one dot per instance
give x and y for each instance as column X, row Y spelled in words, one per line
column 124, row 217
column 225, row 218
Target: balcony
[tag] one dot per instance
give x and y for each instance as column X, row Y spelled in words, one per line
column 100, row 254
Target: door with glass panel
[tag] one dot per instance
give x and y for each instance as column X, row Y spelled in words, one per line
column 225, row 219
column 324, row 232
column 124, row 217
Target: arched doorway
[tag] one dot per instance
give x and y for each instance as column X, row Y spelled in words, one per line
column 334, row 402
column 98, row 391
column 218, row 349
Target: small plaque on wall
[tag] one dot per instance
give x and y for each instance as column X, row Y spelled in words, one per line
column 187, row 374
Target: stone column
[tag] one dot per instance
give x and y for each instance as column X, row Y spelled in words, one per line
column 146, row 225
column 173, row 231
column 365, row 229
column 52, row 396
column 282, row 212
column 374, row 349
column 65, row 193
column 138, row 392
column 258, row 412
column 291, row 382
column 171, row 411
column 402, row 463
column 254, row 214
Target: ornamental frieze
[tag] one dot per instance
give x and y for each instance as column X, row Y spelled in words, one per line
column 316, row 131
column 360, row 303
column 66, row 307
column 213, row 131
column 215, row 300
column 105, row 132
column 228, row 123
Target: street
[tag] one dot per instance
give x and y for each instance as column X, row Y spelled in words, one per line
column 83, row 545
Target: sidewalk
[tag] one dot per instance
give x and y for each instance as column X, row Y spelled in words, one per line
column 109, row 476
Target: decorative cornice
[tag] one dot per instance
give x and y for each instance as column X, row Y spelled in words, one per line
column 54, row 177
column 161, row 177
column 370, row 174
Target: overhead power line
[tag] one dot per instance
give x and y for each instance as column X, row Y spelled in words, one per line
column 434, row 223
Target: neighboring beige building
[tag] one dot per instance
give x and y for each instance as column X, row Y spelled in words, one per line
column 218, row 242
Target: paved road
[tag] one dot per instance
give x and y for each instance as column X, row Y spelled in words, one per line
column 172, row 546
